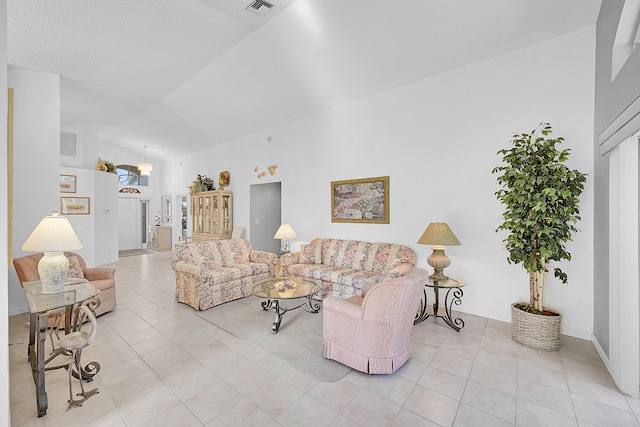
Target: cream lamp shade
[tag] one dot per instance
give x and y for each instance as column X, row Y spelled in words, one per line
column 439, row 235
column 285, row 232
column 53, row 235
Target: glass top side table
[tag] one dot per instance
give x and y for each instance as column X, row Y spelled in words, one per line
column 453, row 296
column 40, row 305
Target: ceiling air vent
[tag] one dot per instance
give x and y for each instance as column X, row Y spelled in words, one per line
column 260, row 7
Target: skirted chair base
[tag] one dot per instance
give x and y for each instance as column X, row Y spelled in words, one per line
column 364, row 363
column 372, row 332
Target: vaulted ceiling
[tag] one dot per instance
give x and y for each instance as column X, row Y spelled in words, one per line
column 183, row 75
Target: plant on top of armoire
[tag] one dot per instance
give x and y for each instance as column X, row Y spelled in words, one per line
column 200, row 184
column 540, row 195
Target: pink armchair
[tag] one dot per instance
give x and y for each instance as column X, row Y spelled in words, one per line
column 372, row 332
column 102, row 278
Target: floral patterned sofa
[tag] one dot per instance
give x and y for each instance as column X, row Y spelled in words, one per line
column 214, row 272
column 344, row 265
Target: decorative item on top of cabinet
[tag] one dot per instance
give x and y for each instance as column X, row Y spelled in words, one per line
column 212, row 213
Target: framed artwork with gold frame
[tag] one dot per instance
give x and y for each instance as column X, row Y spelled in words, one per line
column 360, row 200
column 67, row 183
column 75, row 205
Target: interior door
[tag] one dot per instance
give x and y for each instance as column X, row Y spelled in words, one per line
column 127, row 223
column 265, row 211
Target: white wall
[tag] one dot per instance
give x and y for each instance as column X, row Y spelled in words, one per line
column 36, row 151
column 96, row 231
column 105, row 214
column 87, row 155
column 437, row 140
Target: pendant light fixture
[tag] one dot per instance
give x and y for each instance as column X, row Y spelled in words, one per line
column 145, row 168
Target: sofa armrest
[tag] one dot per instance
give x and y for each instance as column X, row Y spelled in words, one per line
column 396, row 271
column 187, row 268
column 99, row 273
column 290, row 259
column 264, row 257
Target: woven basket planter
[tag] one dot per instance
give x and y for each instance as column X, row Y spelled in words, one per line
column 534, row 330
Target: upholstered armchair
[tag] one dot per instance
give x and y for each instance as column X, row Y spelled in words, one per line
column 102, row 278
column 372, row 332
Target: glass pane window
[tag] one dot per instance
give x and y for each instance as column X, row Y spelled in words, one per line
column 130, row 175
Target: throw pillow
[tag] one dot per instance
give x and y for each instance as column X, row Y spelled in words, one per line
column 310, row 254
column 75, row 270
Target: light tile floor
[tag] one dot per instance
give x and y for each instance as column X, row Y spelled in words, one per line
column 163, row 366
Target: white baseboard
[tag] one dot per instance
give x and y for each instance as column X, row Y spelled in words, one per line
column 601, row 353
column 18, row 310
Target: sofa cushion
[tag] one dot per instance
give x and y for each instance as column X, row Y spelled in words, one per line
column 340, row 275
column 304, row 270
column 345, row 253
column 75, row 269
column 347, row 276
column 203, row 254
column 238, row 271
column 310, row 254
column 385, row 256
column 234, row 251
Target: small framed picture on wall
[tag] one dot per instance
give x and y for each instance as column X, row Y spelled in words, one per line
column 67, row 183
column 75, row 205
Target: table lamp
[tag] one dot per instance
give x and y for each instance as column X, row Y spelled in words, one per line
column 285, row 232
column 439, row 235
column 53, row 235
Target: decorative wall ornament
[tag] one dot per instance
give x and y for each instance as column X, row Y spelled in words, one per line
column 223, row 181
column 129, row 190
column 271, row 169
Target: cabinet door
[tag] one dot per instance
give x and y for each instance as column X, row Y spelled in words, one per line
column 214, row 218
column 225, row 214
column 197, row 204
column 208, row 213
column 153, row 237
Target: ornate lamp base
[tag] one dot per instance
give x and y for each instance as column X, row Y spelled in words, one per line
column 439, row 261
column 53, row 268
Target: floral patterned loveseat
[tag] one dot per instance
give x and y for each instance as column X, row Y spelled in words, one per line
column 344, row 265
column 214, row 272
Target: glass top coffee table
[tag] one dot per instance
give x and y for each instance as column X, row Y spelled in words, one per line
column 287, row 288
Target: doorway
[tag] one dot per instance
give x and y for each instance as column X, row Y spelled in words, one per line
column 127, row 223
column 265, row 216
column 144, row 222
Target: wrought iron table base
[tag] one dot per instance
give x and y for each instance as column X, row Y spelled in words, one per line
column 422, row 315
column 310, row 306
column 35, row 353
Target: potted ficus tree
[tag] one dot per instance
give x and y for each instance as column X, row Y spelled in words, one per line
column 540, row 195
